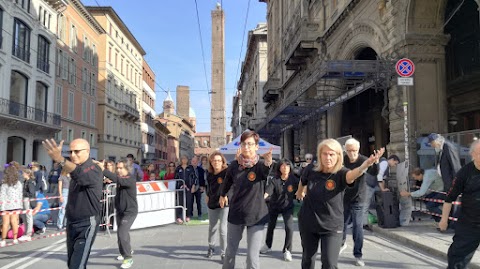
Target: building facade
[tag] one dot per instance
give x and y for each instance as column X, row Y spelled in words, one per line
column 27, row 78
column 181, row 138
column 331, row 72
column 147, row 115
column 202, row 143
column 252, row 80
column 120, row 77
column 77, row 75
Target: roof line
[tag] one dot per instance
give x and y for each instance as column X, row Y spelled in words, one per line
column 110, row 11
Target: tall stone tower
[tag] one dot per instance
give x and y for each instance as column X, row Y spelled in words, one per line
column 218, row 113
column 168, row 105
column 183, row 102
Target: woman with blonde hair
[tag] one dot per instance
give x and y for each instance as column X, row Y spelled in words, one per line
column 11, row 194
column 217, row 216
column 322, row 188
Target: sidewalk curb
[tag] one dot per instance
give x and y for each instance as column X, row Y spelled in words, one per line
column 415, row 244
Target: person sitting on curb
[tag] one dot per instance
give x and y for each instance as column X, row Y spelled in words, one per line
column 431, row 180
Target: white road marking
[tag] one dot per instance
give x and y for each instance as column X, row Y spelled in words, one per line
column 36, row 260
column 24, row 259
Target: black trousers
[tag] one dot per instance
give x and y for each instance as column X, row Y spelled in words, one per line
column 465, row 243
column 189, row 203
column 80, row 237
column 124, row 223
column 197, row 196
column 288, row 221
column 330, row 245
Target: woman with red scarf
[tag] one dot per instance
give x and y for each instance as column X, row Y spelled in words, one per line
column 246, row 176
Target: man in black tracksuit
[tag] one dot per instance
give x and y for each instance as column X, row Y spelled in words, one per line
column 467, row 229
column 84, row 206
column 186, row 172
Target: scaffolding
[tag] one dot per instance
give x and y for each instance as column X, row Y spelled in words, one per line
column 335, row 83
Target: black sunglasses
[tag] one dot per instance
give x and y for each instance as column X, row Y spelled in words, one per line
column 76, row 151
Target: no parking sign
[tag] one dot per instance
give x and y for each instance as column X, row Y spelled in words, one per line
column 405, row 69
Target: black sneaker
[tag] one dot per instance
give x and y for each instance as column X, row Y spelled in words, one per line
column 210, row 253
column 367, row 227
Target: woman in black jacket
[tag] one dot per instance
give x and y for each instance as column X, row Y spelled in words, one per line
column 281, row 191
column 126, row 206
column 217, row 216
column 185, row 172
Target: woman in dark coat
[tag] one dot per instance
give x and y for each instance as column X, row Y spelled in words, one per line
column 126, row 206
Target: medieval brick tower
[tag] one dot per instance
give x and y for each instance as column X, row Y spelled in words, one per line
column 218, row 113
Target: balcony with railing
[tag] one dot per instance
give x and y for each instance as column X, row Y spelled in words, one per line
column 299, row 39
column 13, row 111
column 129, row 112
column 21, row 52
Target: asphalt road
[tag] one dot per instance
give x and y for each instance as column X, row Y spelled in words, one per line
column 182, row 246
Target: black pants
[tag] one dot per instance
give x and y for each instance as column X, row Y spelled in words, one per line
column 189, row 203
column 80, row 237
column 465, row 243
column 330, row 246
column 124, row 223
column 288, row 220
column 198, row 199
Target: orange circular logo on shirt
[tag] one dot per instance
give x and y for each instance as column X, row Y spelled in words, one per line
column 219, row 180
column 251, row 176
column 330, row 185
column 290, row 188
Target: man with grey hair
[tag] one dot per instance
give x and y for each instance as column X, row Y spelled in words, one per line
column 448, row 159
column 467, row 232
column 355, row 198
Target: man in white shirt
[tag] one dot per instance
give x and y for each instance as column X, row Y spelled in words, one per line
column 384, row 170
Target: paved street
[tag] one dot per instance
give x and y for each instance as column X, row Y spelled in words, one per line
column 174, row 247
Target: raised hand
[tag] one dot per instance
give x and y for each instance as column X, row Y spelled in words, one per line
column 268, row 157
column 237, row 155
column 100, row 164
column 53, row 150
column 377, row 154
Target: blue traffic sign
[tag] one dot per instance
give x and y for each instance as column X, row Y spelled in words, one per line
column 405, row 67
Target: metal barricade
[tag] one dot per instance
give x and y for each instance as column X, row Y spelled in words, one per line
column 152, row 197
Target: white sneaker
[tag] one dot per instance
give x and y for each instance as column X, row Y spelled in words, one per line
column 3, row 243
column 359, row 262
column 25, row 238
column 287, row 256
column 265, row 249
column 344, row 247
column 120, row 257
column 15, row 241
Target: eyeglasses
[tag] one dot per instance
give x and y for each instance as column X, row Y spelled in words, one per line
column 308, row 159
column 76, row 151
column 249, row 145
column 352, row 150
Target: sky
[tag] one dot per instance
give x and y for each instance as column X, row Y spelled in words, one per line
column 169, row 33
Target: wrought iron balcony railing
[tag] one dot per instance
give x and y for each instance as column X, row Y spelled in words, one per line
column 32, row 114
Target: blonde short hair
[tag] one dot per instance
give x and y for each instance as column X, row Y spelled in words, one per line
column 334, row 145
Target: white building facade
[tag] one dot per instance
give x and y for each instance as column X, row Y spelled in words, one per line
column 27, row 79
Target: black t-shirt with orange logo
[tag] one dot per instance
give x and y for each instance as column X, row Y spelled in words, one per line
column 247, row 205
column 213, row 188
column 282, row 193
column 322, row 209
